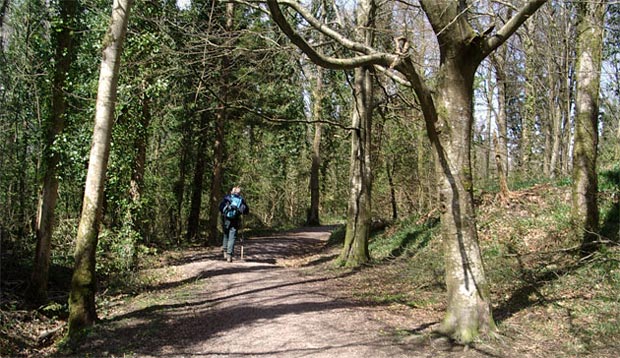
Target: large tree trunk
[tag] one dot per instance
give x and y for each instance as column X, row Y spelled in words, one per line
column 355, row 250
column 469, row 307
column 590, row 44
column 82, row 312
column 37, row 289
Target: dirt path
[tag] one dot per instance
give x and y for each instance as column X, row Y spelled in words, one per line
column 257, row 307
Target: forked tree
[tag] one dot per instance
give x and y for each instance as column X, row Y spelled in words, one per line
column 446, row 100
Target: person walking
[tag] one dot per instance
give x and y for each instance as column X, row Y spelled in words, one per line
column 232, row 207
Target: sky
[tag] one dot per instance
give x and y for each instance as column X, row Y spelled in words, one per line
column 184, row 4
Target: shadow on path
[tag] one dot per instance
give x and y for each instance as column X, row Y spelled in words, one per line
column 247, row 308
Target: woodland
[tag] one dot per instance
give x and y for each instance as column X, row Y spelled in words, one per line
column 123, row 124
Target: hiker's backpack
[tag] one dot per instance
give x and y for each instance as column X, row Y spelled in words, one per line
column 233, row 208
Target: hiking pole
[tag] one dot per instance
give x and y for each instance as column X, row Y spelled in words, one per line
column 241, row 236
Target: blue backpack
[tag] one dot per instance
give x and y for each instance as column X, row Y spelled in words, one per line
column 233, row 208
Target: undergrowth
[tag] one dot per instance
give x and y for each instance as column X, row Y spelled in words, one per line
column 545, row 296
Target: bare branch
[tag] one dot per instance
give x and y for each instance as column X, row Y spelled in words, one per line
column 280, row 120
column 496, row 40
column 369, row 56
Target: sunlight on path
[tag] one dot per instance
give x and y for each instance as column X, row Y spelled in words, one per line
column 250, row 308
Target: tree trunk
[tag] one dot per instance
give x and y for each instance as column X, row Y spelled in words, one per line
column 219, row 149
column 82, row 312
column 193, row 220
column 529, row 110
column 37, row 289
column 176, row 215
column 3, row 7
column 355, row 250
column 469, row 307
column 556, row 135
column 589, row 53
column 136, row 185
column 217, row 179
column 501, row 147
column 317, row 97
column 390, row 178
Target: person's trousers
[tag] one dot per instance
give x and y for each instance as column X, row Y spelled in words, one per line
column 230, row 236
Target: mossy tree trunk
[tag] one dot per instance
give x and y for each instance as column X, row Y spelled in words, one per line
column 448, row 113
column 64, row 39
column 469, row 304
column 589, row 53
column 82, row 311
column 355, row 249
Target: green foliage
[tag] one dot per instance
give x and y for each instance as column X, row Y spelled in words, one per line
column 405, row 238
column 407, row 266
column 609, row 180
column 591, row 294
column 337, row 236
column 609, row 203
column 117, row 251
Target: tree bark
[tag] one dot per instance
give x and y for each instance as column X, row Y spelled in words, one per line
column 193, row 219
column 176, row 214
column 585, row 215
column 529, row 109
column 64, row 39
column 355, row 250
column 501, row 147
column 219, row 147
column 217, row 178
column 390, row 177
column 469, row 307
column 136, row 185
column 3, row 8
column 449, row 126
column 317, row 97
column 82, row 311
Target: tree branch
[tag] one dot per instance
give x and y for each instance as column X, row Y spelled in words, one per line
column 494, row 41
column 279, row 120
column 369, row 56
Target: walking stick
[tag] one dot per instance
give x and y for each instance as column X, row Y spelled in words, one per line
column 241, row 236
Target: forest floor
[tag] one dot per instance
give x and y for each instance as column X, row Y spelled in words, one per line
column 286, row 298
column 280, row 300
column 283, row 299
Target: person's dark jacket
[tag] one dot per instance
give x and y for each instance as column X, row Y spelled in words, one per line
column 243, row 208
